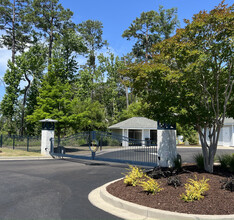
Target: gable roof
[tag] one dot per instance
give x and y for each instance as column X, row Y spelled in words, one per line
column 135, row 123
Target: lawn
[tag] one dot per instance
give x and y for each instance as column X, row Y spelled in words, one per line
column 6, row 152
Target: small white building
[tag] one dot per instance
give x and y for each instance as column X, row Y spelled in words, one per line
column 226, row 137
column 139, row 128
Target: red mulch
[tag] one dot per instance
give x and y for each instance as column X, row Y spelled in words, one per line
column 217, row 201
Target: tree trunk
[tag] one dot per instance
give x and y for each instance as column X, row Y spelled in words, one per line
column 126, row 92
column 13, row 50
column 209, row 150
column 24, row 103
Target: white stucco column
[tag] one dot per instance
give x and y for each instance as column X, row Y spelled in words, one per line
column 125, row 134
column 167, row 152
column 46, row 134
column 232, row 136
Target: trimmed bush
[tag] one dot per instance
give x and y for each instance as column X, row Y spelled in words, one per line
column 150, row 186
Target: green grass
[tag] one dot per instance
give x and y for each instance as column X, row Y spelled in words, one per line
column 6, row 152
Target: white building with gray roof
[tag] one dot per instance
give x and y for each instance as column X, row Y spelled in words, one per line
column 139, row 128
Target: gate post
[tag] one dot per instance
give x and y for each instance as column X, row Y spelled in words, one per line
column 166, row 143
column 47, row 134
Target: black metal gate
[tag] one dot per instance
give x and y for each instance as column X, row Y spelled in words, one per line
column 104, row 146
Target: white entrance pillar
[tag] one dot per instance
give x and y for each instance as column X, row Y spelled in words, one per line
column 46, row 134
column 166, row 142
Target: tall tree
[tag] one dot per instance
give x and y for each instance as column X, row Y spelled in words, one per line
column 92, row 32
column 55, row 98
column 9, row 102
column 30, row 65
column 111, row 93
column 191, row 77
column 68, row 46
column 16, row 31
column 151, row 27
column 51, row 18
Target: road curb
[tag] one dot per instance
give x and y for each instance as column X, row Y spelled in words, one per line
column 127, row 210
column 24, row 158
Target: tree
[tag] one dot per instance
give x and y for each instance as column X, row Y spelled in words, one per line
column 67, row 46
column 51, row 18
column 150, row 28
column 17, row 31
column 88, row 115
column 30, row 66
column 111, row 90
column 54, row 100
column 9, row 102
column 92, row 32
column 190, row 79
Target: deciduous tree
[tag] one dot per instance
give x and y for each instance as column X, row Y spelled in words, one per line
column 191, row 77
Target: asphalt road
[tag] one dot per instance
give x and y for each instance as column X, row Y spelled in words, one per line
column 58, row 189
column 53, row 189
column 188, row 153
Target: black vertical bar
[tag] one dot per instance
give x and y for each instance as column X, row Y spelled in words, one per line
column 27, row 143
column 51, row 146
column 93, row 155
column 13, row 142
column 1, row 141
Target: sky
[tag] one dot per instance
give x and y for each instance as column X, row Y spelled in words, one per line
column 116, row 16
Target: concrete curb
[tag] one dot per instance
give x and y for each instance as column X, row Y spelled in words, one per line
column 127, row 210
column 25, row 158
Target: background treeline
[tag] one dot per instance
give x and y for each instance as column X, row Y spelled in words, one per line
column 45, row 80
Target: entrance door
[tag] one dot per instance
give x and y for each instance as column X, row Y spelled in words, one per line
column 153, row 136
column 135, row 134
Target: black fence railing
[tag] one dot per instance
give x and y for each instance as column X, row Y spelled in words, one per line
column 26, row 143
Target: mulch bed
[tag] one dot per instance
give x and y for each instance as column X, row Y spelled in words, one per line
column 217, row 201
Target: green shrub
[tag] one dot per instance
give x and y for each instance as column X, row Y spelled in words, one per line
column 231, row 163
column 133, row 176
column 193, row 139
column 195, row 189
column 177, row 162
column 199, row 161
column 150, row 186
column 225, row 161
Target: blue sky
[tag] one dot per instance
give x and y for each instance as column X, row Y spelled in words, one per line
column 117, row 15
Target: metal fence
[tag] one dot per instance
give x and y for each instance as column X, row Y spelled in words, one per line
column 26, row 143
column 105, row 146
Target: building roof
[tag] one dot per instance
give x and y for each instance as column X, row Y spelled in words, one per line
column 135, row 123
column 228, row 121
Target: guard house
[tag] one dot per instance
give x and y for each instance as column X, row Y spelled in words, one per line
column 139, row 128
